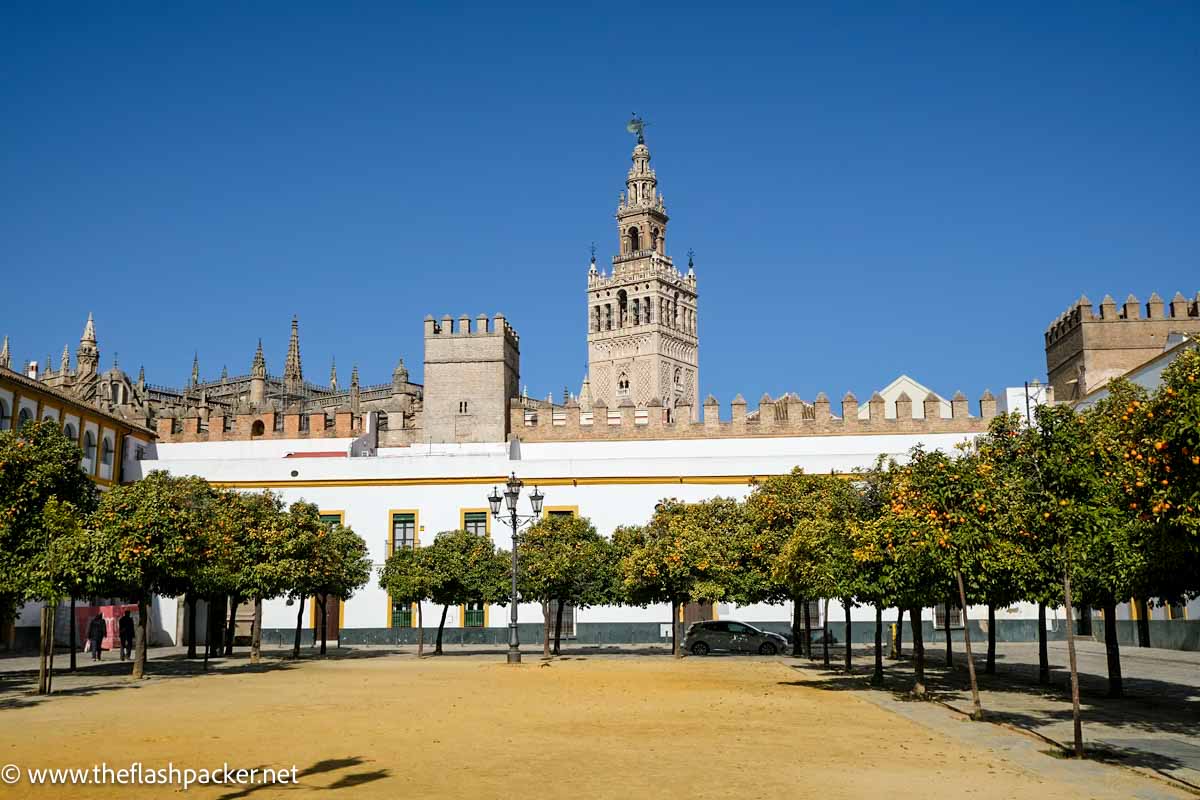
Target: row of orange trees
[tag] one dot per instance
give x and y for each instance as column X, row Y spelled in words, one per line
column 60, row 539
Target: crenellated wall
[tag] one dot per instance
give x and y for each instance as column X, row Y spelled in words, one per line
column 1087, row 345
column 274, row 425
column 571, row 423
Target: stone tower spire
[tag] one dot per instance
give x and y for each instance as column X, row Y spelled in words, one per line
column 87, row 357
column 642, row 322
column 5, row 357
column 141, row 383
column 64, row 363
column 355, row 396
column 333, row 374
column 400, row 376
column 195, row 370
column 293, row 375
column 258, row 377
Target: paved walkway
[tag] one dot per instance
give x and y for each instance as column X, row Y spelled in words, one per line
column 1155, row 727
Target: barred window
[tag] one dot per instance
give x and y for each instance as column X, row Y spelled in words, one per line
column 475, row 522
column 473, row 615
column 402, row 615
column 404, row 531
column 939, row 617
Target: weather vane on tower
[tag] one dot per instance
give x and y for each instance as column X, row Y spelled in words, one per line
column 636, row 125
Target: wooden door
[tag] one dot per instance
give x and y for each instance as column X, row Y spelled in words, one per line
column 697, row 612
column 333, row 614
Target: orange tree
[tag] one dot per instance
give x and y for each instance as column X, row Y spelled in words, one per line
column 465, row 567
column 1164, row 471
column 38, row 464
column 150, row 538
column 816, row 560
column 321, row 561
column 262, row 554
column 683, row 554
column 408, row 580
column 872, row 566
column 564, row 560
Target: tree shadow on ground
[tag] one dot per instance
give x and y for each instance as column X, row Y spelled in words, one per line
column 16, row 686
column 346, row 781
column 1149, row 707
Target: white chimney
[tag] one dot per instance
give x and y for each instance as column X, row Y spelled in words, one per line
column 31, row 370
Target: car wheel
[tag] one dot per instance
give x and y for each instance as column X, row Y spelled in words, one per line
column 767, row 649
column 700, row 649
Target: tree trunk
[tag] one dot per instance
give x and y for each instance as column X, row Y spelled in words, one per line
column 977, row 714
column 990, row 666
column 139, row 639
column 914, row 618
column 437, row 649
column 1043, row 651
column 190, row 602
column 825, row 633
column 73, row 640
column 420, row 630
column 208, row 631
column 899, row 632
column 233, row 607
column 877, row 675
column 949, row 641
column 256, row 633
column 1143, row 622
column 1075, row 718
column 1112, row 649
column 546, row 629
column 849, row 652
column 797, row 627
column 558, row 625
column 677, row 627
column 50, row 667
column 43, row 686
column 323, row 604
column 807, row 630
column 299, row 624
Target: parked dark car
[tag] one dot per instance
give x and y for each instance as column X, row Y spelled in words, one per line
column 733, row 637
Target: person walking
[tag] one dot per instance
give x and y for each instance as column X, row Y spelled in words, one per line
column 96, row 633
column 125, row 628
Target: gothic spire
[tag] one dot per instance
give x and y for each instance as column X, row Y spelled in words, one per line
column 258, row 367
column 354, row 377
column 196, row 369
column 400, row 374
column 47, row 370
column 64, row 364
column 141, row 377
column 333, row 374
column 224, row 373
column 291, row 369
column 5, row 358
column 89, row 331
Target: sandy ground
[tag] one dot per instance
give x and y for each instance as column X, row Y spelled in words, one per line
column 469, row 726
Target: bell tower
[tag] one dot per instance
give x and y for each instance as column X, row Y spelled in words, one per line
column 642, row 326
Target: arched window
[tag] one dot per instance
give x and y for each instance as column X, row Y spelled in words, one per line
column 89, row 448
column 635, row 242
column 637, row 311
column 646, row 311
column 70, row 432
column 622, row 308
column 654, row 238
column 608, row 316
column 5, row 416
column 623, row 385
column 257, row 428
column 678, row 378
column 106, row 451
column 23, row 417
column 675, row 311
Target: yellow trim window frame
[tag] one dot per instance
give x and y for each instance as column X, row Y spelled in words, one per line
column 391, row 548
column 550, row 511
column 473, row 517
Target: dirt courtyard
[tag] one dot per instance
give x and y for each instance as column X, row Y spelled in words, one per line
column 391, row 726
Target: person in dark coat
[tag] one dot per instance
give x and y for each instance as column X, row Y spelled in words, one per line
column 125, row 628
column 97, row 630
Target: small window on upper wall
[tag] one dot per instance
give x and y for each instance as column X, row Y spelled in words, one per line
column 475, row 522
column 462, row 407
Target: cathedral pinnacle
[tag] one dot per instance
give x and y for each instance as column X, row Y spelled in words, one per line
column 196, row 369
column 400, row 374
column 64, row 364
column 292, row 371
column 5, row 358
column 258, row 367
column 89, row 331
column 333, row 374
column 354, row 377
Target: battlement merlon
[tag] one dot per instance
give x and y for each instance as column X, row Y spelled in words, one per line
column 1084, row 311
column 447, row 327
column 628, row 422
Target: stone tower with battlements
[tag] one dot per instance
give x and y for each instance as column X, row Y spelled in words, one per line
column 643, row 344
column 472, row 371
column 1088, row 346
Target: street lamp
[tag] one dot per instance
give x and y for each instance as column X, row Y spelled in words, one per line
column 512, row 493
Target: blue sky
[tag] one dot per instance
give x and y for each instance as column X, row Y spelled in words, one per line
column 873, row 189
